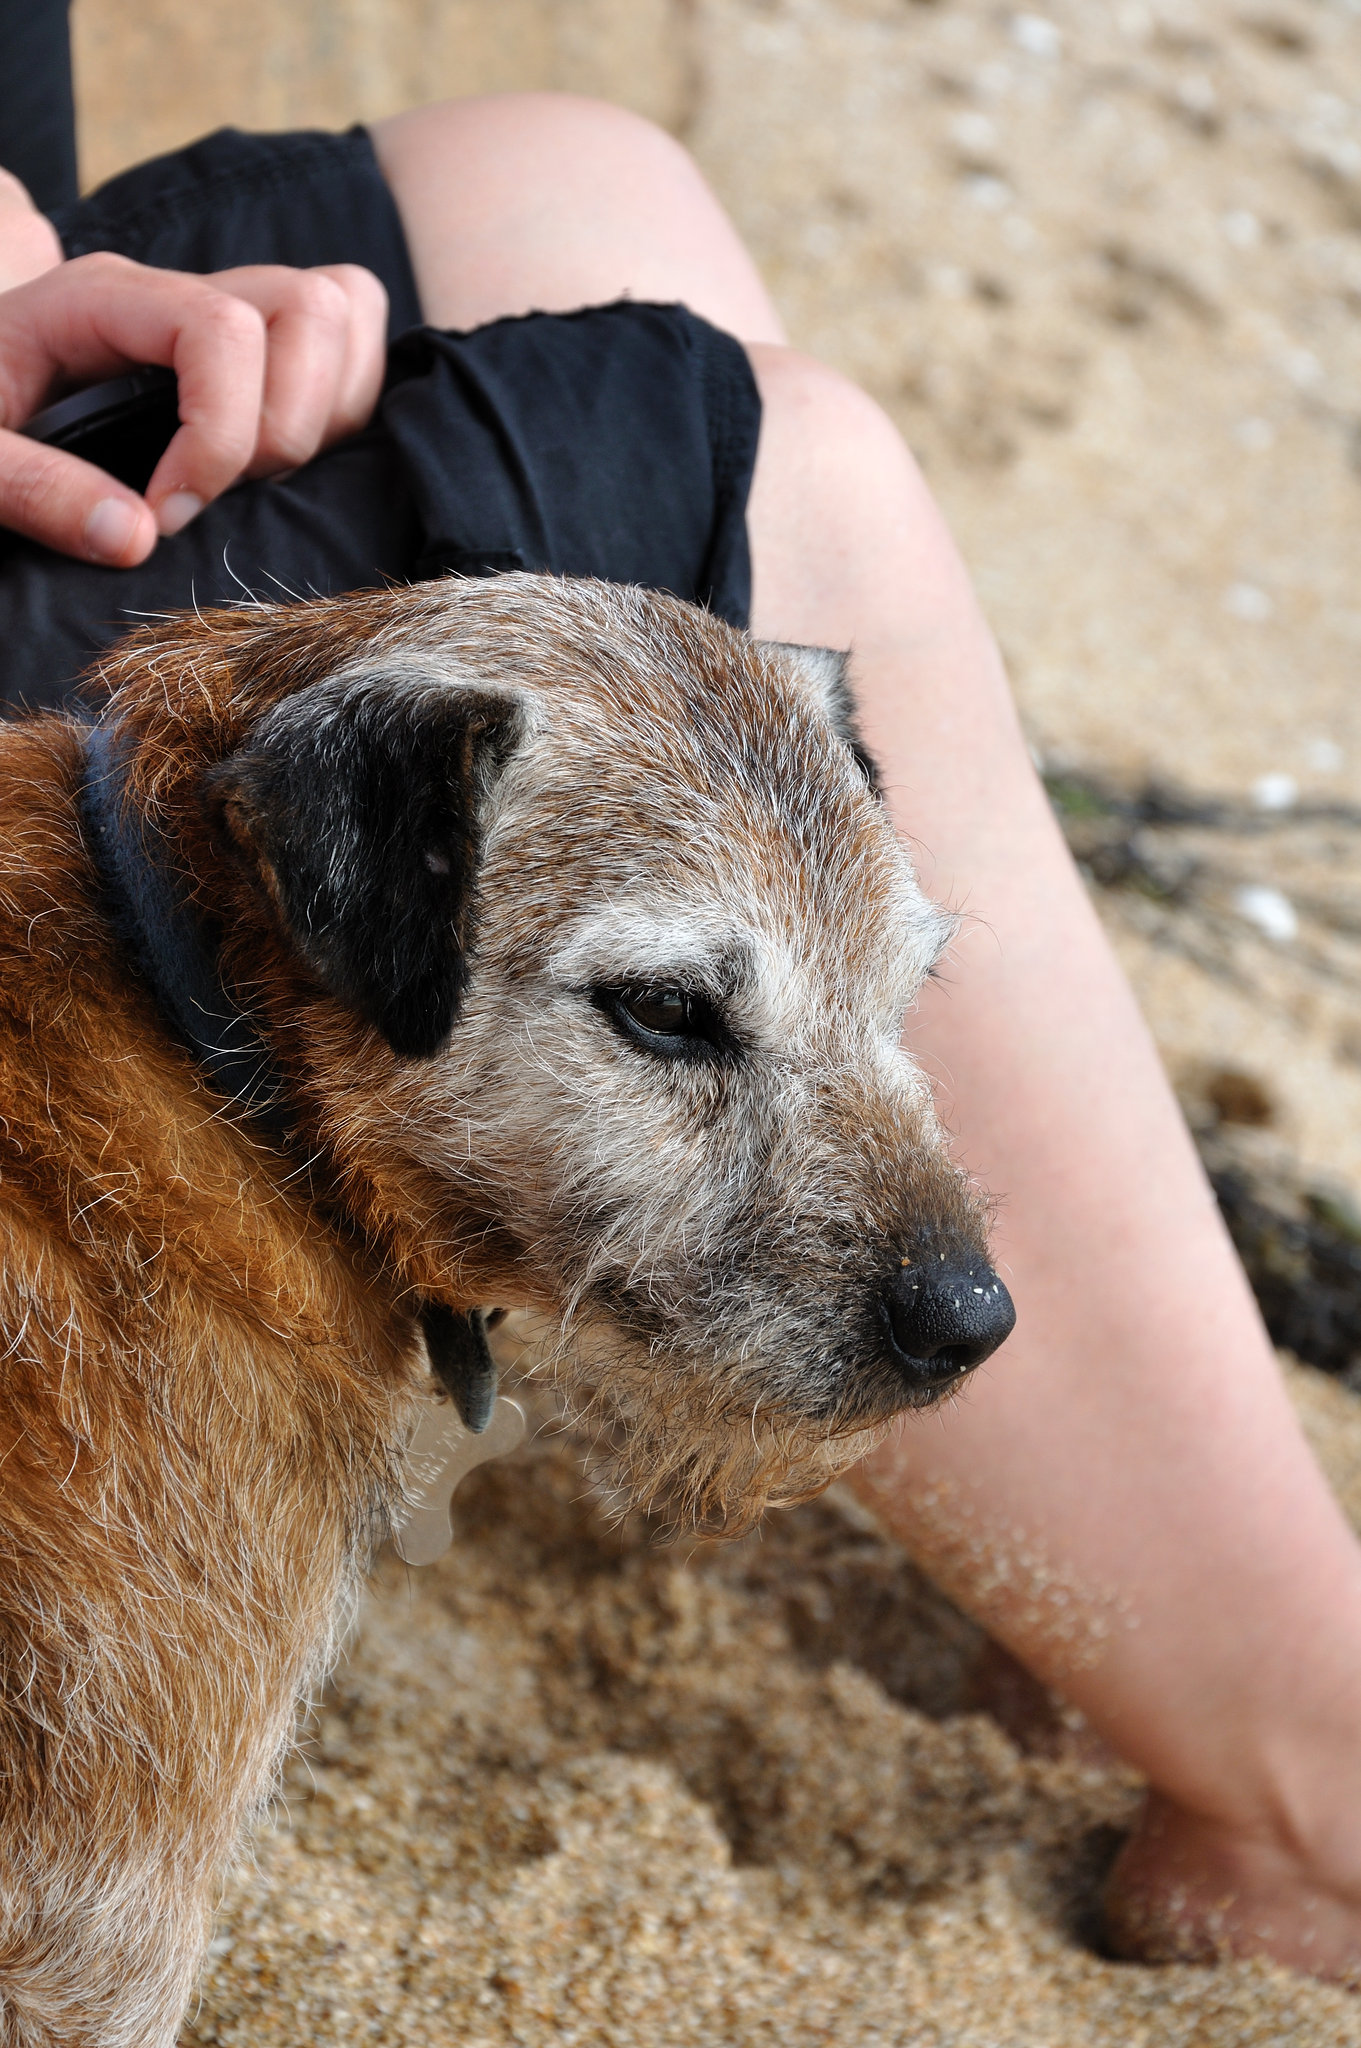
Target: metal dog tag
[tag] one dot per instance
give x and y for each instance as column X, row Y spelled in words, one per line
column 442, row 1453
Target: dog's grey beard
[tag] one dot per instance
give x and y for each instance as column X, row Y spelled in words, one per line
column 706, row 1457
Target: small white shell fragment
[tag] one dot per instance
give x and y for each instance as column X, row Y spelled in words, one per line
column 1255, row 434
column 949, row 280
column 1271, row 912
column 1242, row 230
column 1275, row 791
column 1302, row 367
column 1248, row 601
column 1036, row 35
column 992, row 194
column 974, row 133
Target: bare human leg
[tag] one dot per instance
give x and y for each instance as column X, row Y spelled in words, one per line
column 541, row 202
column 1125, row 1499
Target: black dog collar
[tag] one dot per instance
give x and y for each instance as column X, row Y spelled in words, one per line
column 172, row 945
column 170, row 942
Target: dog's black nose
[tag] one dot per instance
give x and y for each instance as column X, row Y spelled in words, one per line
column 945, row 1316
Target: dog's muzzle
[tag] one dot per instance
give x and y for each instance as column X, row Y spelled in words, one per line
column 945, row 1315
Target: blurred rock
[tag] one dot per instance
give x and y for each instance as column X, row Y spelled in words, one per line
column 1239, row 1098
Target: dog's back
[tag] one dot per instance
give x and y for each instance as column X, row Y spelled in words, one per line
column 198, row 1396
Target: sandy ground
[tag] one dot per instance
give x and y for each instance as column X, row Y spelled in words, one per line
column 1103, row 264
column 571, row 1788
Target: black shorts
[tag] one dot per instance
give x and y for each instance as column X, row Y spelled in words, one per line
column 618, row 441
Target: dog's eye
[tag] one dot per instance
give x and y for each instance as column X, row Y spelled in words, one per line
column 665, row 1011
column 672, row 1021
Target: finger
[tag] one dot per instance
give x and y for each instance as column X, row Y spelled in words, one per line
column 29, row 243
column 100, row 313
column 308, row 341
column 219, row 360
column 70, row 505
column 366, row 352
column 306, row 316
column 327, row 345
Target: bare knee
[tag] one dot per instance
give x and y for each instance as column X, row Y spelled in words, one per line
column 549, row 201
column 840, row 516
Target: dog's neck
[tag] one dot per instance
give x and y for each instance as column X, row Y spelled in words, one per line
column 171, row 943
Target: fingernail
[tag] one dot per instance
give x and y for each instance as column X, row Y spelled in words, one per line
column 176, row 512
column 109, row 529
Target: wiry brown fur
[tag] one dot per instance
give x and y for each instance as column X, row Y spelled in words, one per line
column 209, row 1358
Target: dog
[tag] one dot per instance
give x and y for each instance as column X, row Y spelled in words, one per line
column 371, row 964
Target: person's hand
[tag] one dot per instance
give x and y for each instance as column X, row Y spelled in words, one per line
column 273, row 365
column 29, row 243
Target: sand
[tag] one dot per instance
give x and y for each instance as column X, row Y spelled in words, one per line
column 572, row 1788
column 1103, row 264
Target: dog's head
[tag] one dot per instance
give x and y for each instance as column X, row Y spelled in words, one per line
column 576, row 921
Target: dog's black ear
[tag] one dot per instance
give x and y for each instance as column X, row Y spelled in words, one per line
column 362, row 806
column 825, row 674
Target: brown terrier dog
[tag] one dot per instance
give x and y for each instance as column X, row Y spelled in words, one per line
column 373, row 962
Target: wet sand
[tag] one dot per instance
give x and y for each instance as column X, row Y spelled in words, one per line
column 1103, row 264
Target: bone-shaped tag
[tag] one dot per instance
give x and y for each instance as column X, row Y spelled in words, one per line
column 442, row 1453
